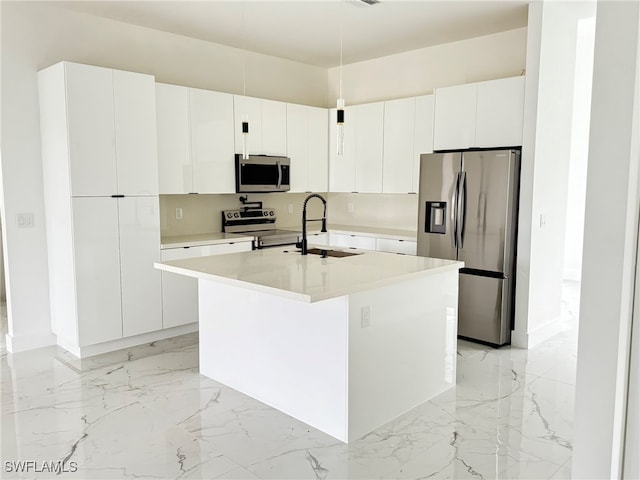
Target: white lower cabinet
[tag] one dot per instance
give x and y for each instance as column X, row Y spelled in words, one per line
column 139, row 225
column 180, row 293
column 352, row 241
column 97, row 273
column 318, row 239
column 117, row 290
column 407, row 247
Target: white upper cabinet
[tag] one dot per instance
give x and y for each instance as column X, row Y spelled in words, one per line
column 212, row 145
column 135, row 133
column 175, row 169
column 267, row 125
column 318, row 150
column 274, row 127
column 398, row 159
column 111, row 131
column 248, row 109
column 368, row 149
column 90, row 127
column 342, row 168
column 359, row 169
column 455, row 117
column 298, row 146
column 307, row 139
column 479, row 115
column 423, row 136
column 500, row 111
column 195, row 140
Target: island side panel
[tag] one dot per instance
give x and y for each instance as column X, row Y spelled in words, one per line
column 288, row 354
column 407, row 353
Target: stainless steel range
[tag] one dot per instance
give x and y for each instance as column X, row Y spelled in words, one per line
column 261, row 223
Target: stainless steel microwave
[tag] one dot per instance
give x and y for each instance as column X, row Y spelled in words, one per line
column 262, row 173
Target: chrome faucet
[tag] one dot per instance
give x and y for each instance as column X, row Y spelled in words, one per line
column 303, row 244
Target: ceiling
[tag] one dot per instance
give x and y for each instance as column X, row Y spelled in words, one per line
column 308, row 31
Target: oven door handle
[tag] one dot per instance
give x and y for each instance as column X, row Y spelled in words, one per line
column 279, row 173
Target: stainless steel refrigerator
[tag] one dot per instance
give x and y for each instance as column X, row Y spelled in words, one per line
column 468, row 210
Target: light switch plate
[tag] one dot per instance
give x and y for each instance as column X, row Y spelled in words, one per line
column 24, row 220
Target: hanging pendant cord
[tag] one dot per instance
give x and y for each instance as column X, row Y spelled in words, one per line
column 244, row 57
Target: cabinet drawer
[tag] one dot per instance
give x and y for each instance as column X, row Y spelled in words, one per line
column 407, row 247
column 352, row 241
column 205, row 250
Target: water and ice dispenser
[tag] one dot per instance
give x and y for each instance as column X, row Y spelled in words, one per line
column 435, row 217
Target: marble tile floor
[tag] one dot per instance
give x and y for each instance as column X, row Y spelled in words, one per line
column 147, row 413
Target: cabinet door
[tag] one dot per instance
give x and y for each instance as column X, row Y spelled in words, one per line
column 342, row 168
column 500, row 113
column 423, row 137
column 318, row 239
column 454, row 124
column 369, row 141
column 179, row 293
column 298, row 146
column 248, row 108
column 97, row 264
column 352, row 241
column 91, row 130
column 136, row 146
column 212, row 141
column 318, row 138
column 174, row 139
column 139, row 222
column 274, row 127
column 399, row 131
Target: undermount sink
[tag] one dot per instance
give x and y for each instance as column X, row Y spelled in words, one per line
column 328, row 253
column 331, row 253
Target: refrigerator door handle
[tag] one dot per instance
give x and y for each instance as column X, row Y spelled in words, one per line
column 454, row 211
column 461, row 208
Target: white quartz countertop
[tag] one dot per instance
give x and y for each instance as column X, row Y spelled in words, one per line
column 311, row 278
column 198, row 240
column 391, row 233
column 380, row 232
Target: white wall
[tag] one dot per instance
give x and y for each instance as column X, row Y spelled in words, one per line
column 610, row 245
column 35, row 36
column 546, row 149
column 418, row 72
column 579, row 150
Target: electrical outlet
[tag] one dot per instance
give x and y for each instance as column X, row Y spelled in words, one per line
column 350, row 207
column 290, row 208
column 365, row 317
column 178, row 213
column 543, row 220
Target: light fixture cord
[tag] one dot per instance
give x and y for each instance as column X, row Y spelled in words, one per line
column 244, row 57
column 341, row 21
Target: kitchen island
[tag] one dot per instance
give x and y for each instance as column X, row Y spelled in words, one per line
column 342, row 344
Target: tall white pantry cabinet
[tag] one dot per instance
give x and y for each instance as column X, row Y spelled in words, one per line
column 101, row 202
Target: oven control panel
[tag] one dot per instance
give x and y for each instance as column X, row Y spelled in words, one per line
column 247, row 219
column 249, row 214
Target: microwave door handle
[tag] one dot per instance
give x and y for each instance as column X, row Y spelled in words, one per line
column 279, row 173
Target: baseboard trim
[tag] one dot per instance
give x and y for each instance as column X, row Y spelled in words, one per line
column 535, row 337
column 31, row 341
column 91, row 350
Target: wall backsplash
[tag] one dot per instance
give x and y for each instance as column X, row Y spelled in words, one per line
column 201, row 213
column 386, row 210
